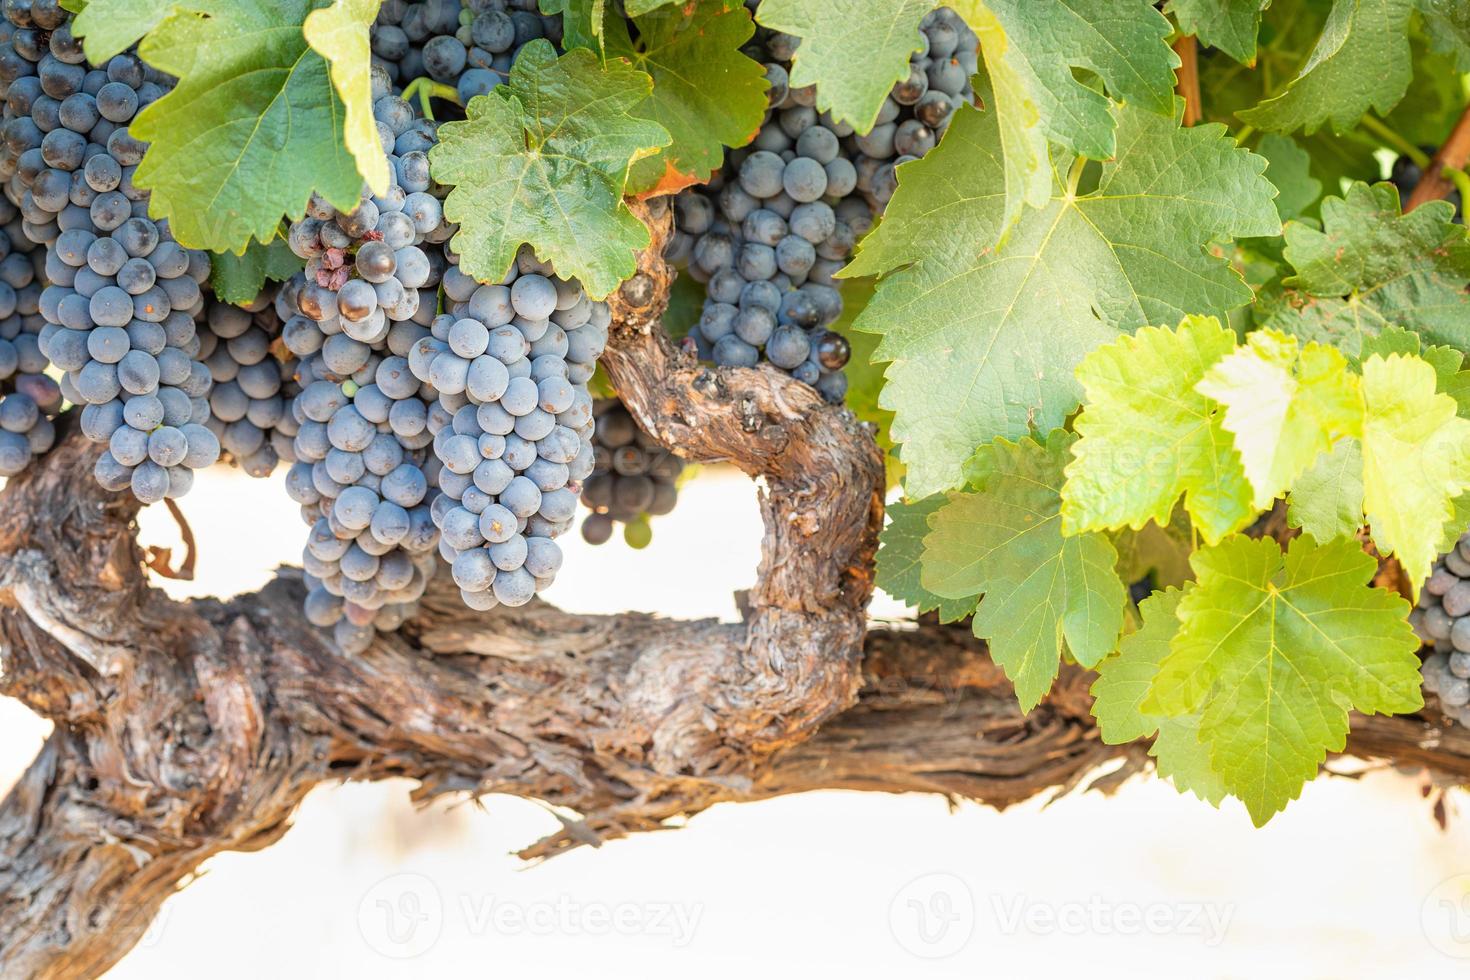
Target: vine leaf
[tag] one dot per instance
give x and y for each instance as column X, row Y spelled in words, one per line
column 1289, row 169
column 255, row 123
column 706, row 92
column 582, row 21
column 1042, row 591
column 339, row 33
column 959, row 320
column 1370, row 267
column 637, row 8
column 109, row 27
column 1230, row 25
column 854, row 51
column 1327, row 500
column 1030, row 52
column 900, row 551
column 1122, row 685
column 239, row 279
column 1447, row 22
column 1159, row 552
column 543, row 159
column 1272, row 653
column 1284, row 404
column 1416, row 459
column 1149, row 435
column 1362, row 61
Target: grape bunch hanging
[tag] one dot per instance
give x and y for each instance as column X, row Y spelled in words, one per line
column 768, row 233
column 1442, row 621
column 633, row 478
column 425, row 418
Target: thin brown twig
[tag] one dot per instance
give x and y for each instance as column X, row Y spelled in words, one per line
column 1188, row 78
column 158, row 558
column 1454, row 153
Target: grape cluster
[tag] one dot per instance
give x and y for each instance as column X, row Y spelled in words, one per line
column 469, row 45
column 122, row 294
column 633, row 477
column 254, row 382
column 767, row 234
column 363, row 473
column 28, row 398
column 513, row 423
column 27, row 34
column 1442, row 621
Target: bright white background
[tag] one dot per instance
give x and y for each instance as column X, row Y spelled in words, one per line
column 1354, row 880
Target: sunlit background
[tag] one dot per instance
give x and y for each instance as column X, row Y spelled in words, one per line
column 1353, row 880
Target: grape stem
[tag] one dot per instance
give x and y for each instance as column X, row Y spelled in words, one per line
column 1439, row 175
column 1460, row 179
column 1394, row 141
column 425, row 89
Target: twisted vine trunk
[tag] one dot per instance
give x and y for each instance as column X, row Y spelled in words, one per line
column 187, row 729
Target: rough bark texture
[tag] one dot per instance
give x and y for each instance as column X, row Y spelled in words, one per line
column 183, row 730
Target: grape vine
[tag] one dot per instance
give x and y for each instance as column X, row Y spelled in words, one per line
column 1171, row 372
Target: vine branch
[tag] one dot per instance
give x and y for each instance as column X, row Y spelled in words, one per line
column 1187, row 84
column 1437, row 181
column 188, row 729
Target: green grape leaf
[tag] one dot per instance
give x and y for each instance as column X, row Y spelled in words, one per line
column 1031, row 50
column 1123, row 679
column 959, row 321
column 1416, row 459
column 339, row 33
column 1370, row 267
column 1448, row 363
column 1274, row 650
column 854, row 51
column 1288, row 168
column 637, row 8
column 1230, row 25
column 582, row 21
column 543, row 159
column 1041, row 590
column 706, row 92
column 1448, row 24
column 256, row 122
column 900, row 552
column 1361, row 61
column 1149, row 435
column 865, row 378
column 1327, row 500
column 1119, row 691
column 239, row 279
column 1284, row 404
column 109, row 27
column 1160, row 551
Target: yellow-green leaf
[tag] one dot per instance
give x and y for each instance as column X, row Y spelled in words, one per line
column 1148, row 436
column 1284, row 404
column 1273, row 652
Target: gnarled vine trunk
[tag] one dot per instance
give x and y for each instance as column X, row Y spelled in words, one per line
column 186, row 729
